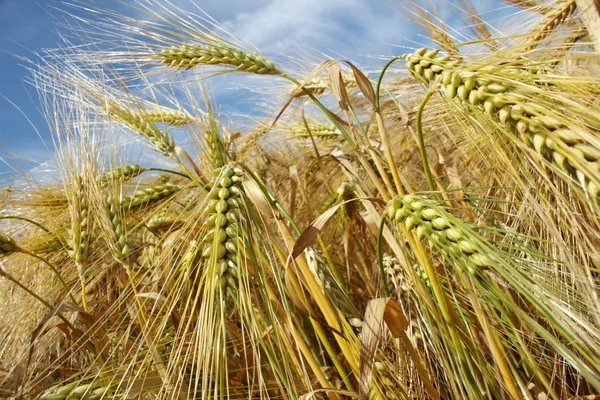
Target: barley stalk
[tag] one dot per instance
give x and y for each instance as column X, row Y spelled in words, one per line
column 190, row 55
column 551, row 138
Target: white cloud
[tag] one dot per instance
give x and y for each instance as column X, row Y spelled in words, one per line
column 345, row 27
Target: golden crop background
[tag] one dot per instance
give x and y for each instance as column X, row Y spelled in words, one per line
column 430, row 230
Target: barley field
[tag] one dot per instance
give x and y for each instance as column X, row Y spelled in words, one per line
column 429, row 229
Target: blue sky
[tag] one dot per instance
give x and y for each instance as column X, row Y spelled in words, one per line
column 359, row 30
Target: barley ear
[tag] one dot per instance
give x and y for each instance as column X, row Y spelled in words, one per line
column 519, row 111
column 122, row 174
column 550, row 22
column 7, row 245
column 432, row 223
column 80, row 224
column 114, row 228
column 77, row 390
column 168, row 116
column 137, row 122
column 189, row 55
column 222, row 240
column 151, row 194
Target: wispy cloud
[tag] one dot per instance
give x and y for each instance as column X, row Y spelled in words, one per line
column 347, row 28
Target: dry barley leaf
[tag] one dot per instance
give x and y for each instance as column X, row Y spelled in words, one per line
column 300, row 89
column 311, row 394
column 312, row 230
column 293, row 194
column 295, row 297
column 338, row 89
column 341, row 157
column 315, row 227
column 257, row 198
column 363, row 84
column 148, row 382
column 455, row 182
column 439, row 168
column 385, row 309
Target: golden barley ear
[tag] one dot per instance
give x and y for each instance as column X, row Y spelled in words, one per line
column 554, row 17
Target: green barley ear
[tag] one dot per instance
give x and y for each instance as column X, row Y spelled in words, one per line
column 176, row 38
column 190, row 55
column 430, row 222
column 121, row 174
column 80, row 224
column 159, row 218
column 346, row 191
column 317, row 130
column 114, row 229
column 77, row 391
column 7, row 245
column 51, row 245
column 168, row 116
column 141, row 125
column 518, row 107
column 215, row 151
column 145, row 196
column 221, row 242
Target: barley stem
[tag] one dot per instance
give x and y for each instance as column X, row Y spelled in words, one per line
column 420, row 136
column 388, row 154
column 170, row 172
column 26, row 220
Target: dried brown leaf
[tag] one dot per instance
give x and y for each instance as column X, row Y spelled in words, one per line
column 385, row 309
column 363, row 84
